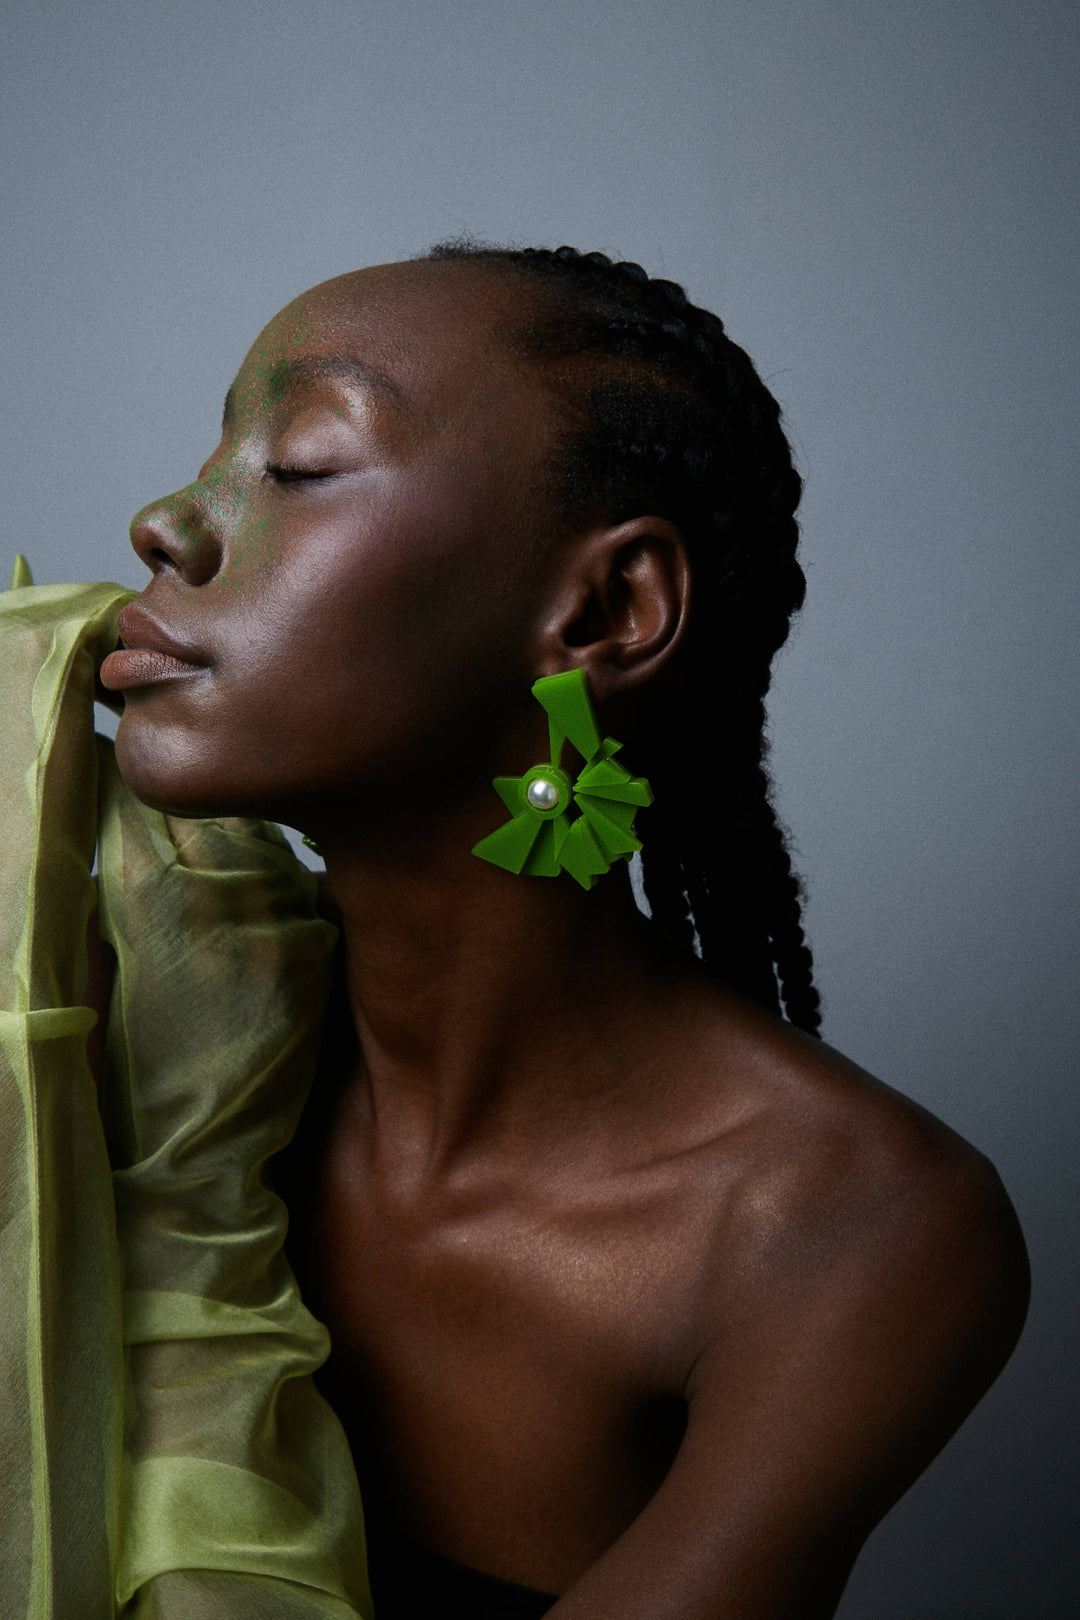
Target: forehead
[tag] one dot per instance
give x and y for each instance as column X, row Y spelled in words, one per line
column 431, row 339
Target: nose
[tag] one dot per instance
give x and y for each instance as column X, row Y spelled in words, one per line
column 179, row 533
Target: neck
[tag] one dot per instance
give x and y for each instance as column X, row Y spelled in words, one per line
column 483, row 1001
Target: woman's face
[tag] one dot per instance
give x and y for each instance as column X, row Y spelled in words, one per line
column 356, row 573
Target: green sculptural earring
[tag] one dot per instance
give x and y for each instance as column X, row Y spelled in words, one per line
column 541, row 839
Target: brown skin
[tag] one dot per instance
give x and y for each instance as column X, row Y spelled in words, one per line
column 559, row 1190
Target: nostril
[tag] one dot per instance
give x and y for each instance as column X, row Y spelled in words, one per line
column 175, row 535
column 150, row 541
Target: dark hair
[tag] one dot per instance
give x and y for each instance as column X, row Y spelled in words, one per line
column 669, row 418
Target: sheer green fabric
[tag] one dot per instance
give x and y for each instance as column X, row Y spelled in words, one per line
column 164, row 1454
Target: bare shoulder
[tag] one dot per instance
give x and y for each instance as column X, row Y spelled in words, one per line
column 858, row 1281
column 839, row 1188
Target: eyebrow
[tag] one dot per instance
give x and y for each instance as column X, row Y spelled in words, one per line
column 310, row 367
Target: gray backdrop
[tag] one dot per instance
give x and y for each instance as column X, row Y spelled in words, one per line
column 880, row 199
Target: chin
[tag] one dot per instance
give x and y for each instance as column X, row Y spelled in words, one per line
column 168, row 771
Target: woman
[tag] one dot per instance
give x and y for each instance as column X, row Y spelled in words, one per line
column 642, row 1300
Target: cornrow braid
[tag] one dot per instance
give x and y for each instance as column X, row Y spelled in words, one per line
column 668, row 416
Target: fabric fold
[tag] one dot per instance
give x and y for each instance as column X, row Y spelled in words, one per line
column 166, row 1455
column 60, row 1329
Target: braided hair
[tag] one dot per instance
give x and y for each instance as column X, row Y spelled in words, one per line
column 668, row 417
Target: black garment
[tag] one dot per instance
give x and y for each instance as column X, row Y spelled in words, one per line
column 409, row 1582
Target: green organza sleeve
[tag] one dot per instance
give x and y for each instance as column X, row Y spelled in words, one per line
column 61, row 1372
column 170, row 1453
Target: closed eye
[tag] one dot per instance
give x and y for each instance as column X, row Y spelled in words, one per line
column 297, row 475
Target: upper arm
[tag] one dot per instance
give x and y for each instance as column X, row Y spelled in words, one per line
column 833, row 1372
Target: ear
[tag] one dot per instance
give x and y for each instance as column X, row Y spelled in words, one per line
column 619, row 607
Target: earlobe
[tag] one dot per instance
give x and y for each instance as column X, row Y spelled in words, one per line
column 622, row 607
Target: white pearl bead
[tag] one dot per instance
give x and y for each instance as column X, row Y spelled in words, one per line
column 542, row 794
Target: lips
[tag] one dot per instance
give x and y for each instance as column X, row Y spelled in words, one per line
column 149, row 654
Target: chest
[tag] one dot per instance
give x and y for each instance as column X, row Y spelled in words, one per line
column 495, row 1284
column 508, row 1362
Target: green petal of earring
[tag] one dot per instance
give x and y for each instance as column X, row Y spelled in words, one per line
column 541, row 839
